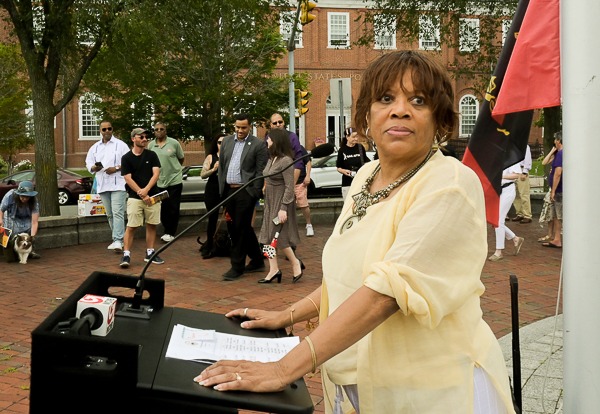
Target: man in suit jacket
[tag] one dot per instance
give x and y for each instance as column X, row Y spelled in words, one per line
column 243, row 157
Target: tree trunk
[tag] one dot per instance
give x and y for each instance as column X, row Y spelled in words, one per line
column 46, row 182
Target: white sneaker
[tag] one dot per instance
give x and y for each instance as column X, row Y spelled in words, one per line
column 309, row 230
column 117, row 246
column 167, row 238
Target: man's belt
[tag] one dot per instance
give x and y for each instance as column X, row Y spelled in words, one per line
column 507, row 184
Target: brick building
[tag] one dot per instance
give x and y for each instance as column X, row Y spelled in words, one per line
column 325, row 52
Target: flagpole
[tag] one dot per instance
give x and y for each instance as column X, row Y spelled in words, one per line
column 580, row 42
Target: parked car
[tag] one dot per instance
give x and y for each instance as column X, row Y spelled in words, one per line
column 70, row 184
column 193, row 184
column 324, row 174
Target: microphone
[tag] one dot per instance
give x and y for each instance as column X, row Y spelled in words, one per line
column 136, row 309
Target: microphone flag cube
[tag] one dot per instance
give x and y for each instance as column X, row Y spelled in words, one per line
column 103, row 307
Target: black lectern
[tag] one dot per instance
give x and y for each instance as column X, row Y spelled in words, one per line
column 127, row 369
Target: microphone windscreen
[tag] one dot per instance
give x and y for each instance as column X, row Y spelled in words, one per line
column 322, row 150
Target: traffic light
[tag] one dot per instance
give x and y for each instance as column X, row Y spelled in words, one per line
column 305, row 7
column 302, row 109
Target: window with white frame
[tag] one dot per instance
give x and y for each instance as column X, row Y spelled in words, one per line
column 429, row 32
column 468, row 35
column 505, row 29
column 339, row 29
column 89, row 117
column 385, row 32
column 285, row 27
column 469, row 109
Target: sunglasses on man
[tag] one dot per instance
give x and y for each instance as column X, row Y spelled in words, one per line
column 106, row 129
column 158, row 129
column 277, row 123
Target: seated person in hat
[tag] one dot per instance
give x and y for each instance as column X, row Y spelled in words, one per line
column 19, row 211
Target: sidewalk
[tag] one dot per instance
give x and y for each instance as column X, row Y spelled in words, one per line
column 29, row 293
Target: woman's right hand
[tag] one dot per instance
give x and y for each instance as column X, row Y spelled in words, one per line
column 216, row 167
column 259, row 319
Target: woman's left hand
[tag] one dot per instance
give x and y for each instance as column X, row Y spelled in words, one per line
column 244, row 376
column 282, row 216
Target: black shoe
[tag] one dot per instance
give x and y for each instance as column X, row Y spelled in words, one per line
column 232, row 275
column 255, row 267
column 275, row 276
column 34, row 255
column 297, row 278
column 125, row 261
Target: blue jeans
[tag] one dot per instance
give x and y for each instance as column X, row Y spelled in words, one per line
column 115, row 205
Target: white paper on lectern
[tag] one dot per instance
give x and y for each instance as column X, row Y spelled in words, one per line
column 199, row 344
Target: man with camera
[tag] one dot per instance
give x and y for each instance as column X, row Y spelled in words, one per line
column 104, row 161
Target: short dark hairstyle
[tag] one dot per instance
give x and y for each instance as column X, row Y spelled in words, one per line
column 242, row 117
column 214, row 147
column 281, row 146
column 558, row 136
column 429, row 77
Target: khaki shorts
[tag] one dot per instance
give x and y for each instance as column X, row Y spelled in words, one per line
column 137, row 211
column 301, row 198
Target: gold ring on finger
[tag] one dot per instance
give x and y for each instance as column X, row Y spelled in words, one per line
column 246, row 313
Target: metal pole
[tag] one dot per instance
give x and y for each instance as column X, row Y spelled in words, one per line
column 342, row 125
column 581, row 105
column 291, row 46
column 292, row 94
column 516, row 346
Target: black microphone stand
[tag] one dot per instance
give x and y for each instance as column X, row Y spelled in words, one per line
column 136, row 309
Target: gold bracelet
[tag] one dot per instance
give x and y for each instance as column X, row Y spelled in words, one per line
column 310, row 325
column 313, row 302
column 313, row 354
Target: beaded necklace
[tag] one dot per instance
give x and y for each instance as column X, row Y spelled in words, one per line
column 364, row 199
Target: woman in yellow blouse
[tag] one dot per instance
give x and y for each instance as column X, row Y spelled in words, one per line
column 401, row 324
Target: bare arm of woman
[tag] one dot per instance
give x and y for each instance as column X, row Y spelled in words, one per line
column 206, row 171
column 34, row 223
column 356, row 317
column 303, row 310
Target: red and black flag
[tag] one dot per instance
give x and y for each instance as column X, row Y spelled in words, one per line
column 494, row 145
column 527, row 77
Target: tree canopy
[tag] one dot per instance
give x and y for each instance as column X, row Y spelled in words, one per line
column 58, row 40
column 14, row 93
column 195, row 66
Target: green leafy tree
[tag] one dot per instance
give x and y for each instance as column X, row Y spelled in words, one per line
column 59, row 39
column 195, row 66
column 14, row 92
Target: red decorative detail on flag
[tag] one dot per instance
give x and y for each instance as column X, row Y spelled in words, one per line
column 532, row 78
column 492, row 200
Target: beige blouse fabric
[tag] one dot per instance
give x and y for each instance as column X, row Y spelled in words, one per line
column 426, row 247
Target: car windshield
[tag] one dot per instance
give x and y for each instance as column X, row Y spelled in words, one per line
column 320, row 162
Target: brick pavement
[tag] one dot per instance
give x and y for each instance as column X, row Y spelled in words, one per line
column 28, row 293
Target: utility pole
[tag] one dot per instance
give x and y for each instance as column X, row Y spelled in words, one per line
column 304, row 6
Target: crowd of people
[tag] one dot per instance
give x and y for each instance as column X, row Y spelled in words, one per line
column 401, row 327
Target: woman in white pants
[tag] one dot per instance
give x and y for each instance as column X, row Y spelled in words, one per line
column 509, row 176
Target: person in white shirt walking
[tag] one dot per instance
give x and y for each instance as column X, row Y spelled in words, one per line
column 104, row 160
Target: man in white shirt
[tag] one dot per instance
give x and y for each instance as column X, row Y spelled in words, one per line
column 522, row 200
column 104, row 160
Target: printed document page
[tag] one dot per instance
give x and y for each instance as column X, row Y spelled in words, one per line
column 210, row 346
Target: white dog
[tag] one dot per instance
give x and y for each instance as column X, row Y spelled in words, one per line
column 23, row 247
